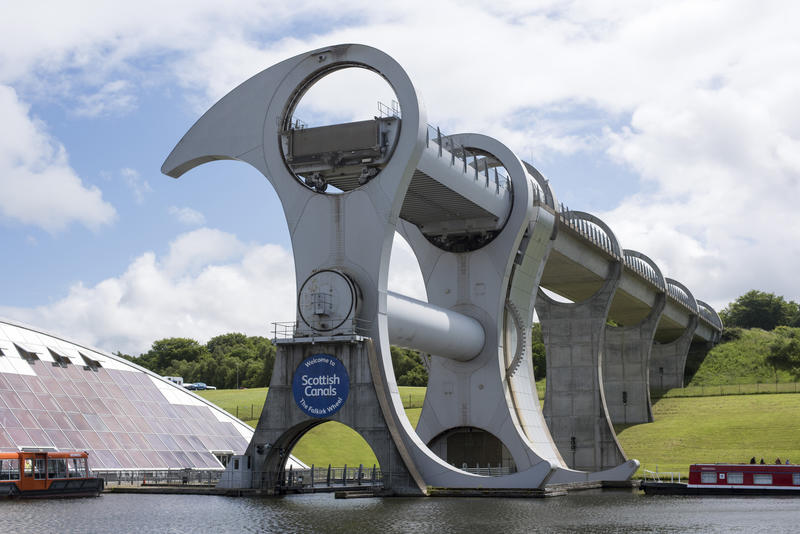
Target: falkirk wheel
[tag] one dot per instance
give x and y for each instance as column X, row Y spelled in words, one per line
column 481, row 223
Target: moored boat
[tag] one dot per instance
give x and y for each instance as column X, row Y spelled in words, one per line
column 47, row 474
column 733, row 479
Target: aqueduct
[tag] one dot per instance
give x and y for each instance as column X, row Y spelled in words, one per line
column 488, row 234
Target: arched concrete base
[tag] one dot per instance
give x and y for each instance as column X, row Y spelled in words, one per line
column 282, row 423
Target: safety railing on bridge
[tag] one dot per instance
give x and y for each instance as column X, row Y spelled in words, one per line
column 589, row 231
column 477, row 166
column 644, row 269
column 679, row 293
column 708, row 314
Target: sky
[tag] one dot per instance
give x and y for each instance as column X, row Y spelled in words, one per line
column 677, row 123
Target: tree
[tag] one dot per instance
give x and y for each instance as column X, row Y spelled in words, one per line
column 538, row 352
column 758, row 309
column 784, row 352
column 408, row 367
column 164, row 352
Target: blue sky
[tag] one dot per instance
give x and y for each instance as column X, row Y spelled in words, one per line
column 675, row 122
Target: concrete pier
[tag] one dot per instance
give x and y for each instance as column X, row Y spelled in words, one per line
column 575, row 406
column 626, row 368
column 668, row 360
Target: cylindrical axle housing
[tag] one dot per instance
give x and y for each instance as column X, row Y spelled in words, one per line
column 415, row 324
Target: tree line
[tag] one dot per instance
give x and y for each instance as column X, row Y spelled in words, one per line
column 767, row 311
column 227, row 361
column 236, row 360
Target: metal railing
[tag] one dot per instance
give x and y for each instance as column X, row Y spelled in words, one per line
column 656, row 476
column 708, row 314
column 468, row 161
column 489, row 471
column 282, row 330
column 385, row 111
column 678, row 294
column 166, row 477
column 330, row 477
column 644, row 269
column 726, row 389
column 587, row 230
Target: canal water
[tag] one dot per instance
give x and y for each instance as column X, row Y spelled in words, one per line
column 593, row 511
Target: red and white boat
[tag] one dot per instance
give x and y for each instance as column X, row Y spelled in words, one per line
column 733, row 479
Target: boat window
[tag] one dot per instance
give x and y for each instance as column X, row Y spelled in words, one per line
column 40, row 468
column 796, row 479
column 708, row 477
column 57, row 468
column 735, row 478
column 9, row 469
column 762, row 478
column 77, row 468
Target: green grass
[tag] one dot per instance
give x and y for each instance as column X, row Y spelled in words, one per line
column 686, row 430
column 715, row 429
column 241, row 401
column 740, row 361
column 329, row 442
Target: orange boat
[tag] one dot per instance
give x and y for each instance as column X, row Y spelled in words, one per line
column 47, row 474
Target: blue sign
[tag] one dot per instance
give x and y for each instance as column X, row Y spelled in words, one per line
column 320, row 385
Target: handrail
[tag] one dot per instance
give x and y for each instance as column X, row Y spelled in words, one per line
column 655, row 476
column 593, row 229
column 645, row 267
column 710, row 315
column 460, row 156
column 681, row 294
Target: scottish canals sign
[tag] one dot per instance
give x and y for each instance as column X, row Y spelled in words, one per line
column 320, row 385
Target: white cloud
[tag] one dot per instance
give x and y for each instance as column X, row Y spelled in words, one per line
column 113, row 98
column 136, row 184
column 696, row 97
column 209, row 283
column 187, row 216
column 39, row 188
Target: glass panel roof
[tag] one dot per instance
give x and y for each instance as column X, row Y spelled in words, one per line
column 118, row 413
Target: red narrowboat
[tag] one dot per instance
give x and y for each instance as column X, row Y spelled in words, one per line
column 734, row 479
column 47, row 474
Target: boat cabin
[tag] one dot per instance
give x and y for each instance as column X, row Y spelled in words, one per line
column 750, row 476
column 46, row 473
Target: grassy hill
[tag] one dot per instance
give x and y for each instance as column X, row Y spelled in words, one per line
column 715, row 429
column 741, row 360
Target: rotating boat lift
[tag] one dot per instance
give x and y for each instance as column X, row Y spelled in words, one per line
column 481, row 223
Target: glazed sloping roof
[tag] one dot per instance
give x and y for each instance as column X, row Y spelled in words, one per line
column 58, row 394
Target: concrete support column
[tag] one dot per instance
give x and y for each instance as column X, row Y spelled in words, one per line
column 282, row 423
column 626, row 368
column 574, row 406
column 668, row 360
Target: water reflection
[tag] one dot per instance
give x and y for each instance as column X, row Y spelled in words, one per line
column 586, row 512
